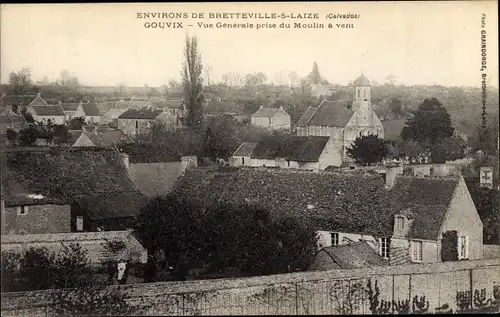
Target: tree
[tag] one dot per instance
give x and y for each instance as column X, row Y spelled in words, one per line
column 193, row 83
column 11, row 135
column 449, row 149
column 314, row 77
column 368, row 149
column 59, row 133
column 430, row 122
column 21, row 81
column 395, row 106
column 76, row 123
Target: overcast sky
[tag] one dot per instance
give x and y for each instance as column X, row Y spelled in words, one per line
column 106, row 44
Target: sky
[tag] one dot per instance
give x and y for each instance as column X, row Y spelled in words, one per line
column 107, row 44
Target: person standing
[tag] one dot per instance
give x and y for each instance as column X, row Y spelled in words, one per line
column 122, row 267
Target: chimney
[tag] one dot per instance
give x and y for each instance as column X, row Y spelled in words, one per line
column 281, row 107
column 261, row 106
column 391, row 174
column 125, row 161
column 188, row 162
column 39, row 94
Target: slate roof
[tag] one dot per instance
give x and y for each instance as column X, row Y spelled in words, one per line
column 91, row 109
column 306, row 116
column 113, row 113
column 393, row 128
column 362, row 81
column 144, row 113
column 346, row 202
column 106, row 106
column 331, row 114
column 112, row 205
column 245, row 149
column 48, row 110
column 70, row 106
column 155, row 179
column 131, row 104
column 266, row 112
column 290, row 147
column 347, row 256
column 62, row 174
column 106, row 137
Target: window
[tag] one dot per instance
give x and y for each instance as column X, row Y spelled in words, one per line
column 416, row 254
column 242, row 161
column 288, row 162
column 364, row 91
column 269, row 120
column 79, row 223
column 400, row 222
column 23, row 210
column 359, row 93
column 136, row 124
column 463, row 248
column 335, row 238
column 384, row 247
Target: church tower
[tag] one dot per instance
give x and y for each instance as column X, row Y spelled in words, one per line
column 362, row 94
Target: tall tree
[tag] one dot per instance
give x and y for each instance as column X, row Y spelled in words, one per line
column 395, row 106
column 430, row 122
column 314, row 77
column 192, row 82
column 368, row 149
column 21, row 81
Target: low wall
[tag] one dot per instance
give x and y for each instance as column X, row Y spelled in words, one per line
column 326, row 292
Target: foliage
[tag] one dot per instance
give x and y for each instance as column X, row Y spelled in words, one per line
column 192, row 82
column 59, row 133
column 212, row 240
column 449, row 250
column 368, row 149
column 89, row 300
column 431, row 122
column 76, row 123
column 21, row 81
column 420, row 305
column 71, row 266
column 11, row 264
column 487, row 204
column 38, row 269
column 448, row 149
column 11, row 135
column 395, row 106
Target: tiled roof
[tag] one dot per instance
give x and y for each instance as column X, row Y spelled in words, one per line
column 155, row 179
column 427, row 222
column 266, row 112
column 306, row 116
column 16, row 100
column 91, row 109
column 107, row 137
column 143, row 113
column 393, row 128
column 75, row 134
column 38, row 101
column 48, row 110
column 169, row 103
column 245, row 149
column 290, row 147
column 63, row 174
column 106, row 106
column 345, row 202
column 113, row 113
column 70, row 106
column 136, row 104
column 348, row 256
column 113, row 205
column 331, row 114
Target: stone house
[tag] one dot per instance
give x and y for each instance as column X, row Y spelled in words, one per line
column 343, row 120
column 241, row 157
column 53, row 114
column 55, row 190
column 403, row 218
column 271, row 118
column 69, row 110
column 288, row 151
column 89, row 111
column 111, row 115
column 138, row 121
column 22, row 101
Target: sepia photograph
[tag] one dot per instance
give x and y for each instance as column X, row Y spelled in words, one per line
column 251, row 158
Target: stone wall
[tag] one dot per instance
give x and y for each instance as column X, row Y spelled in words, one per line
column 326, row 292
column 38, row 219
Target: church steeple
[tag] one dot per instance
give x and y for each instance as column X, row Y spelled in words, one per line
column 362, row 94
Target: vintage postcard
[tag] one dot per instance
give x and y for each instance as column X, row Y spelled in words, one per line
column 301, row 158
